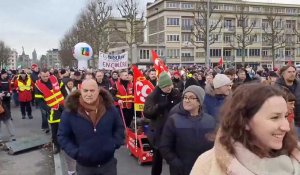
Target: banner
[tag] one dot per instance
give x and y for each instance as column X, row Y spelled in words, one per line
column 142, row 88
column 113, row 62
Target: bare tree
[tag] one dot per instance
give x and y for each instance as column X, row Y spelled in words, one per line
column 244, row 38
column 273, row 33
column 128, row 9
column 4, row 53
column 200, row 28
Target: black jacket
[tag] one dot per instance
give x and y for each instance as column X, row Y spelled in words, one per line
column 157, row 107
column 296, row 91
column 184, row 138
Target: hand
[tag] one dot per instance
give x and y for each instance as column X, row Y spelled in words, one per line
column 54, row 109
column 120, row 102
column 8, row 94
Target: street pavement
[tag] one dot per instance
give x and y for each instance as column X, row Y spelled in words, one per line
column 40, row 161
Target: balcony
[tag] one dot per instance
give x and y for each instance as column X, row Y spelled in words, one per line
column 229, row 29
column 267, row 58
column 187, row 58
column 187, row 28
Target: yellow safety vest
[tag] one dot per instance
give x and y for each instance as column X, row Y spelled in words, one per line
column 22, row 86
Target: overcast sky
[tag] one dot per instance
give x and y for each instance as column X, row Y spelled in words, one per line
column 40, row 24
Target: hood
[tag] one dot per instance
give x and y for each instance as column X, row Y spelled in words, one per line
column 72, row 101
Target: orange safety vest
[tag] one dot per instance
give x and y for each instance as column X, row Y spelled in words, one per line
column 53, row 97
column 125, row 94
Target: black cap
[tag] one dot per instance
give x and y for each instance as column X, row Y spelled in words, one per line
column 3, row 71
column 77, row 73
column 22, row 71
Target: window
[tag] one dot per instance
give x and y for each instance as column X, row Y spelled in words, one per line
column 265, row 52
column 291, row 11
column 202, row 54
column 173, row 21
column 186, row 54
column 215, row 52
column 256, row 9
column 186, row 37
column 186, row 24
column 144, row 54
column 173, row 5
column 228, row 8
column 290, row 24
column 228, row 23
column 217, row 37
column 288, row 52
column 265, row 24
column 173, row 53
column 227, row 38
column 172, row 37
column 200, row 38
column 187, row 6
column 280, row 10
column 254, row 52
column 239, row 52
column 278, row 23
column 254, row 38
column 227, row 53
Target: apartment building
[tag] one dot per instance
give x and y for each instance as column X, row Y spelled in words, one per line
column 175, row 24
column 53, row 59
column 12, row 60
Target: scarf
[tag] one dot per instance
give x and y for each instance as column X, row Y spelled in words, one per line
column 95, row 110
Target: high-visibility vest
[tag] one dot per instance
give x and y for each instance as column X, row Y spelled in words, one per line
column 53, row 98
column 125, row 94
column 22, row 86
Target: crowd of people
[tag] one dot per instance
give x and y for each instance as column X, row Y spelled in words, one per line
column 201, row 121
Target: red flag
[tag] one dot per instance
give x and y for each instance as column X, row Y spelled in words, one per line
column 220, row 63
column 142, row 88
column 159, row 65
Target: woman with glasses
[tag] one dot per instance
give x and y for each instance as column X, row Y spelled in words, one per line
column 187, row 132
column 254, row 138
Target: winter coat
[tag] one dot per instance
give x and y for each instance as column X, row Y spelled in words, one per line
column 218, row 161
column 90, row 145
column 191, row 81
column 281, row 83
column 34, row 76
column 212, row 102
column 178, row 84
column 26, row 95
column 157, row 107
column 184, row 138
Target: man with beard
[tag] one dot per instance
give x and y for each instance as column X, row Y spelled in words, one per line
column 288, row 79
column 177, row 82
column 114, row 78
column 101, row 80
column 123, row 96
column 153, row 77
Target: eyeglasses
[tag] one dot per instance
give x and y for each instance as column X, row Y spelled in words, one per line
column 189, row 98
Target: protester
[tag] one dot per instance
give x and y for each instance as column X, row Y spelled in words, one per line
column 91, row 130
column 288, row 79
column 157, row 106
column 152, row 77
column 77, row 79
column 254, row 136
column 114, row 78
column 230, row 73
column 192, row 80
column 185, row 134
column 24, row 86
column 177, row 82
column 216, row 94
column 6, row 119
column 102, row 81
column 51, row 100
column 67, row 88
column 5, row 91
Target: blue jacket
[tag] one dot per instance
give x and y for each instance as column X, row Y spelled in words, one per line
column 89, row 145
column 184, row 138
column 212, row 104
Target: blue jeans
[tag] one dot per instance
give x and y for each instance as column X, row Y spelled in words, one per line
column 44, row 119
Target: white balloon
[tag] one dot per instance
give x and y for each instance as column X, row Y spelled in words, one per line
column 82, row 51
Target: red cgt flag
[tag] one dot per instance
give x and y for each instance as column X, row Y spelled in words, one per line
column 159, row 65
column 142, row 88
column 220, row 63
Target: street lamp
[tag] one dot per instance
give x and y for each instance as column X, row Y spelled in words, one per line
column 157, row 28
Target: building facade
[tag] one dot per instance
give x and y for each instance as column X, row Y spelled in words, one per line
column 12, row 60
column 52, row 59
column 178, row 26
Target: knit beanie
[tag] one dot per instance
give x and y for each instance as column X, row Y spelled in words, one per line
column 221, row 80
column 197, row 90
column 164, row 80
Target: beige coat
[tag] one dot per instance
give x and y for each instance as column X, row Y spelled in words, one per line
column 218, row 161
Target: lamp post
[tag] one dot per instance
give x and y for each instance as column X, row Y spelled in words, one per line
column 157, row 28
column 207, row 36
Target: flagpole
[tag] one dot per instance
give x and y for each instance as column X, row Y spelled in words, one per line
column 207, row 62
